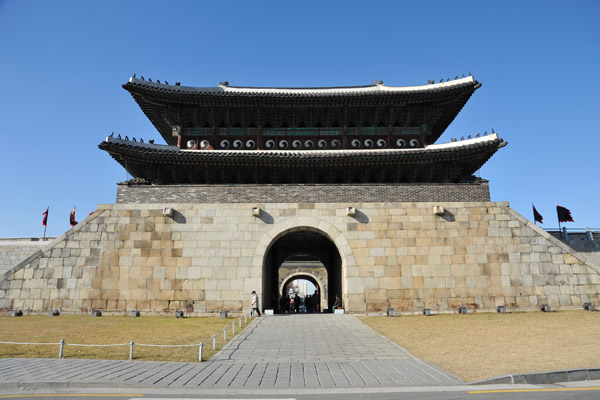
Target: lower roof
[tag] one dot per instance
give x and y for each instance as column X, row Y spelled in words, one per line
column 161, row 164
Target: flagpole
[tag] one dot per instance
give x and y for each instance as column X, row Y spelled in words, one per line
column 46, row 224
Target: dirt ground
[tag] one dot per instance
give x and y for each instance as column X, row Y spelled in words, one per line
column 476, row 346
column 111, row 330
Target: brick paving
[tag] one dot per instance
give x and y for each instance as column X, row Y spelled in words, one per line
column 282, row 351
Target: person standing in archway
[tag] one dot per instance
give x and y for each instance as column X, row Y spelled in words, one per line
column 255, row 309
column 316, row 301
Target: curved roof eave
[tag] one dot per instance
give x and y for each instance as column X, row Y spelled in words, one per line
column 225, row 90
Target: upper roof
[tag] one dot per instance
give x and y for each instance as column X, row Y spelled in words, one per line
column 433, row 106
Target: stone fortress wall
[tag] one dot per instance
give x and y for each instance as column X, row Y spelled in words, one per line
column 15, row 250
column 587, row 245
column 393, row 254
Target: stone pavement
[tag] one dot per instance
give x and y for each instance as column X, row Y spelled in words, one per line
column 282, row 351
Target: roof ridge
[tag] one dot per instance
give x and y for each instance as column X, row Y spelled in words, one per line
column 378, row 87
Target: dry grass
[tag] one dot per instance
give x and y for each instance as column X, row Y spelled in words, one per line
column 476, row 346
column 111, row 330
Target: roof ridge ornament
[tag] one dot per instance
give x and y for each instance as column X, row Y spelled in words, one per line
column 379, row 83
column 226, row 83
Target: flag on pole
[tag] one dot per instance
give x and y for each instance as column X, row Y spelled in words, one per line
column 72, row 218
column 564, row 215
column 45, row 214
column 537, row 217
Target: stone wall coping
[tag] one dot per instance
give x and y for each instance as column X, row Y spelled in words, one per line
column 25, row 241
column 249, row 205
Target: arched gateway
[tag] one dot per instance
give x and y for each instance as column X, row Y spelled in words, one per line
column 302, row 252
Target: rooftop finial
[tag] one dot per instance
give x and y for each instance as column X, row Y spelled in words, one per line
column 134, row 74
column 378, row 83
column 226, row 83
column 142, row 76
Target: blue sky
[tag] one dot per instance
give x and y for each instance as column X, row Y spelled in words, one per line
column 63, row 64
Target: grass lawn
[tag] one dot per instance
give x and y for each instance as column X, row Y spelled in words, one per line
column 476, row 346
column 111, row 330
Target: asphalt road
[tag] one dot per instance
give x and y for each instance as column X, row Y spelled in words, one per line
column 503, row 392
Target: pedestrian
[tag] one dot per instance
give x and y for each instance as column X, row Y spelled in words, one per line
column 255, row 309
column 337, row 303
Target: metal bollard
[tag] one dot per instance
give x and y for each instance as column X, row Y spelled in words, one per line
column 233, row 328
column 245, row 316
column 214, row 342
column 200, row 352
column 62, row 347
column 225, row 334
column 131, row 350
column 240, row 322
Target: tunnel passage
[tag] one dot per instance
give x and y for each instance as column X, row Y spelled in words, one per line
column 303, row 253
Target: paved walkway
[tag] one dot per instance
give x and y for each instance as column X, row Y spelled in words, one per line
column 282, row 351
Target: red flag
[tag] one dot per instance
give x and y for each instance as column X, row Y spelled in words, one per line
column 45, row 214
column 564, row 215
column 72, row 218
column 537, row 217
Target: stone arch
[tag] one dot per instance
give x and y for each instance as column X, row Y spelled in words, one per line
column 304, row 275
column 347, row 266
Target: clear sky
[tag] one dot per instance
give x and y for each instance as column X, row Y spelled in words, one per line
column 63, row 64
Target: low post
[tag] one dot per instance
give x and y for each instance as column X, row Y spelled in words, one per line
column 240, row 322
column 62, row 347
column 225, row 334
column 245, row 318
column 214, row 342
column 233, row 328
column 588, row 233
column 200, row 352
column 131, row 350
